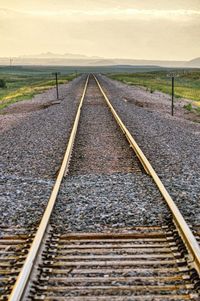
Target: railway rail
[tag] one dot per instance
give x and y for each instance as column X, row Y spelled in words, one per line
column 148, row 263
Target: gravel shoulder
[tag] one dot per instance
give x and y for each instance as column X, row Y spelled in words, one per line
column 34, row 135
column 156, row 101
column 23, row 200
column 172, row 144
column 33, row 142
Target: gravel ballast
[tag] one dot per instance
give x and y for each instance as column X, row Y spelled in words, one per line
column 34, row 135
column 100, row 146
column 95, row 203
column 95, row 199
column 23, row 200
column 35, row 143
column 101, row 194
column 172, row 145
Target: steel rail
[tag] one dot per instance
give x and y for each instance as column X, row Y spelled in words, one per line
column 22, row 280
column 184, row 230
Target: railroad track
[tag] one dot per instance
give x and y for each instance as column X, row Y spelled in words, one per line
column 146, row 263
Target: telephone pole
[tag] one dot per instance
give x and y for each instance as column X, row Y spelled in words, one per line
column 56, row 77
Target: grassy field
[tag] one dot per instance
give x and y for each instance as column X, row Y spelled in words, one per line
column 23, row 84
column 187, row 84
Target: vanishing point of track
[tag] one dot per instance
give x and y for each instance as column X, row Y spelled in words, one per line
column 151, row 263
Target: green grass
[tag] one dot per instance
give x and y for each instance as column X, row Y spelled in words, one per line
column 188, row 107
column 23, row 82
column 23, row 86
column 187, row 84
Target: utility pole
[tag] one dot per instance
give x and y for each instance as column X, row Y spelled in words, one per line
column 56, row 77
column 172, row 75
column 173, row 95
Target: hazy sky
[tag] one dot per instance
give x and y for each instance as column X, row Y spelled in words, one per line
column 148, row 29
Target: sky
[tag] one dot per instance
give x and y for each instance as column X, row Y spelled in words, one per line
column 135, row 29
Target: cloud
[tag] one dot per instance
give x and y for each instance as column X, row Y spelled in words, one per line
column 124, row 30
column 143, row 39
column 102, row 4
column 116, row 13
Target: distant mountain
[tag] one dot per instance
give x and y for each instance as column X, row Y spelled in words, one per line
column 104, row 62
column 70, row 59
column 194, row 63
column 133, row 62
column 48, row 55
